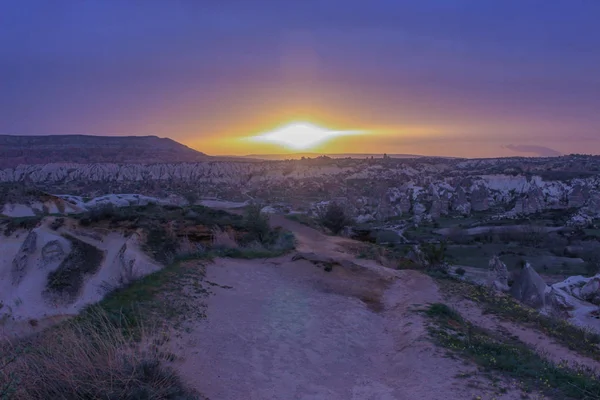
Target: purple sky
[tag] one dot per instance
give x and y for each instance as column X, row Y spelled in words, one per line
column 497, row 76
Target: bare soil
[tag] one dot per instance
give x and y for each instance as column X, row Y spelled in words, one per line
column 283, row 329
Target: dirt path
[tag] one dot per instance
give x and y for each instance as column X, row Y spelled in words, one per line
column 538, row 341
column 283, row 329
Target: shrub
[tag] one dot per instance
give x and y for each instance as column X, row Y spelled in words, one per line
column 334, row 218
column 435, row 254
column 257, row 224
column 160, row 244
column 57, row 224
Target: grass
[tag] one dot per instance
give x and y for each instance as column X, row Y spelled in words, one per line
column 163, row 294
column 575, row 338
column 90, row 359
column 509, row 356
column 66, row 281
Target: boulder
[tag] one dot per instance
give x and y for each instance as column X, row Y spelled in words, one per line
column 559, row 303
column 498, row 275
column 20, row 262
column 529, row 288
column 591, row 291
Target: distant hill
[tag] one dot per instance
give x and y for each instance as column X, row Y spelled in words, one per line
column 84, row 149
column 295, row 156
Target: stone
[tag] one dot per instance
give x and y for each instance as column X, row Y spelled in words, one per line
column 591, row 291
column 529, row 288
column 498, row 275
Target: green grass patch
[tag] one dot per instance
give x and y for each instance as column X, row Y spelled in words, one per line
column 164, row 295
column 510, row 357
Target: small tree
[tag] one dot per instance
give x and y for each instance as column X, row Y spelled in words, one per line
column 257, row 223
column 334, row 218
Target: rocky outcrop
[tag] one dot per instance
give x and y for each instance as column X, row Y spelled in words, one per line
column 405, row 204
column 460, row 203
column 439, row 206
column 531, row 203
column 591, row 290
column 529, row 288
column 498, row 275
column 480, row 199
column 20, row 262
column 578, row 196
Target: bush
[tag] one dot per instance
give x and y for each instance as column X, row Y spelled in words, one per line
column 435, row 254
column 57, row 224
column 334, row 218
column 160, row 244
column 257, row 224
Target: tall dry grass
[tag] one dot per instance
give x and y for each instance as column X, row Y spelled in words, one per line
column 223, row 239
column 92, row 357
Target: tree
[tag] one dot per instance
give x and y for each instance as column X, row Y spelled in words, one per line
column 257, row 223
column 335, row 218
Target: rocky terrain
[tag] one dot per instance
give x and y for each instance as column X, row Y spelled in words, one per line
column 496, row 261
column 374, row 189
column 57, row 268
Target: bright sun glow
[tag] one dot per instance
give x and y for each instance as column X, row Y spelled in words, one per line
column 301, row 135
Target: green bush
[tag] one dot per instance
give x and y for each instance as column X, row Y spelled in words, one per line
column 334, row 218
column 160, row 244
column 257, row 224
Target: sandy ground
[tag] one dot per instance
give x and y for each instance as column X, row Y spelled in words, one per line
column 283, row 329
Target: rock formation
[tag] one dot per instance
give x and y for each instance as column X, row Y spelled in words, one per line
column 460, row 203
column 530, row 288
column 498, row 275
column 19, row 264
column 480, row 199
column 591, row 290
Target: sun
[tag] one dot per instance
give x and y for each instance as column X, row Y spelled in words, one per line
column 300, row 135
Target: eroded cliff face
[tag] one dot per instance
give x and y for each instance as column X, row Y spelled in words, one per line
column 48, row 271
column 375, row 189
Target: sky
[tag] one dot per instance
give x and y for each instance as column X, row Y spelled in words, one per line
column 468, row 78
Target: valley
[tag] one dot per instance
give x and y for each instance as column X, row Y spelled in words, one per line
column 300, row 271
